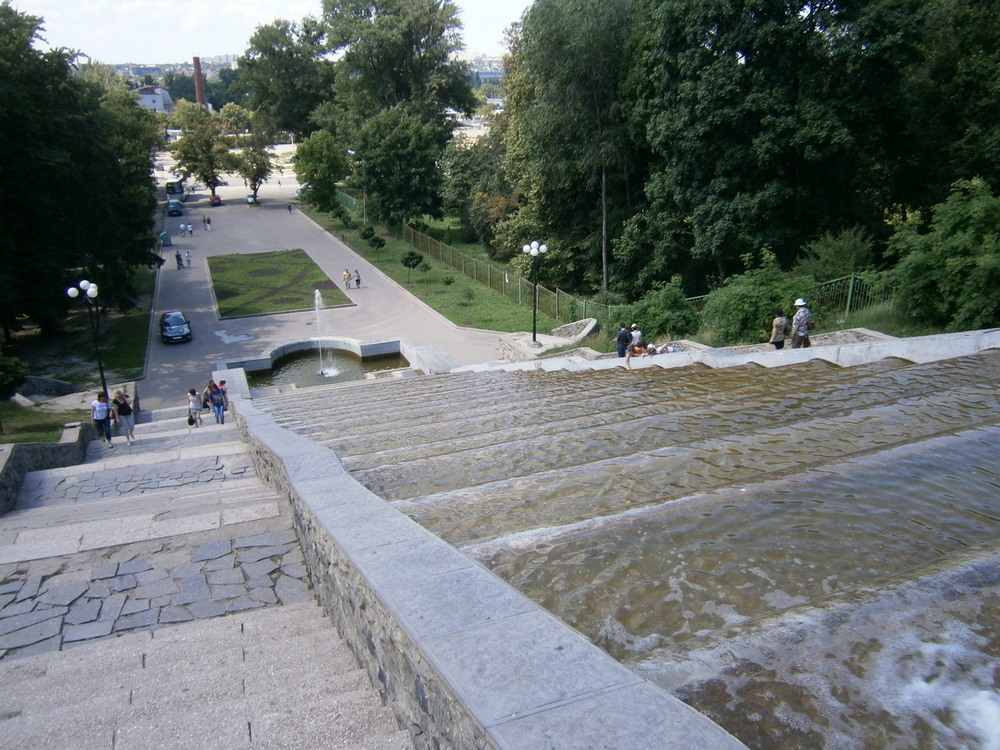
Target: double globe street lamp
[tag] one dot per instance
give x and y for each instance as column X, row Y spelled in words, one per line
column 89, row 292
column 534, row 250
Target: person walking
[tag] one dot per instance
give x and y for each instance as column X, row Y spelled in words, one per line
column 101, row 413
column 208, row 223
column 179, row 259
column 622, row 339
column 190, row 230
column 187, row 258
column 346, row 276
column 357, row 279
column 289, row 208
column 122, row 405
column 204, row 222
column 802, row 323
column 194, row 408
column 779, row 328
column 216, row 401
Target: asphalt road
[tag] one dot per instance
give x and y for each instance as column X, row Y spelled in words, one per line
column 381, row 309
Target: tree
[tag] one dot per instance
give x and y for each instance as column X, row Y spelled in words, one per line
column 321, row 164
column 399, row 167
column 254, row 160
column 950, row 275
column 411, row 260
column 202, row 151
column 284, row 75
column 77, row 149
column 396, row 76
column 395, row 52
column 567, row 139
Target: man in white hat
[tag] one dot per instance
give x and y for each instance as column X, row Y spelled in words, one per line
column 801, row 325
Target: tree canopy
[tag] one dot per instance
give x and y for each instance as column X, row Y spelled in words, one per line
column 77, row 176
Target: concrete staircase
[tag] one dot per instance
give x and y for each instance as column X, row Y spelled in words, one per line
column 156, row 597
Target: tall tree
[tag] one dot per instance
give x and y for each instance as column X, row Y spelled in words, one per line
column 567, row 139
column 202, row 151
column 77, row 150
column 284, row 74
column 396, row 77
column 320, row 164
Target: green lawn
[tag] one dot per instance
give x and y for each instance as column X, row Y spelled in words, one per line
column 273, row 282
column 32, row 424
column 449, row 292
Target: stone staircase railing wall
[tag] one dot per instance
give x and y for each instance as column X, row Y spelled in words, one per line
column 17, row 459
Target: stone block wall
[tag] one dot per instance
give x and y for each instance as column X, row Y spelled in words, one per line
column 17, row 459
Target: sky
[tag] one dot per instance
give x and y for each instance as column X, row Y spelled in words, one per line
column 168, row 31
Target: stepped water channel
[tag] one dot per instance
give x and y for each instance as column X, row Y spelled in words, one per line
column 808, row 554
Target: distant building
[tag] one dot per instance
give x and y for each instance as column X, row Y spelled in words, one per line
column 155, row 98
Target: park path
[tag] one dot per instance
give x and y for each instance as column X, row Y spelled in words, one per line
column 381, row 309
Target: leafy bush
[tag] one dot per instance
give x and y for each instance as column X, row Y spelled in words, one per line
column 12, row 372
column 950, row 275
column 836, row 256
column 448, row 280
column 366, row 232
column 663, row 312
column 739, row 311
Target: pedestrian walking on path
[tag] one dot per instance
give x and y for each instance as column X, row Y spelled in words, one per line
column 122, row 406
column 179, row 259
column 357, row 279
column 187, row 258
column 194, row 408
column 101, row 413
column 217, row 401
column 347, row 278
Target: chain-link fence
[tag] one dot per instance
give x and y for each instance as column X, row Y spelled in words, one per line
column 848, row 294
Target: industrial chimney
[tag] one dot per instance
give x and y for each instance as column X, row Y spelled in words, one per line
column 199, row 83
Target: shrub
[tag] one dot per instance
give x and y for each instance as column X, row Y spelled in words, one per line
column 448, row 280
column 739, row 311
column 950, row 275
column 663, row 312
column 12, row 372
column 366, row 232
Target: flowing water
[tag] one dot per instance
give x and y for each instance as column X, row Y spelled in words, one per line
column 809, row 555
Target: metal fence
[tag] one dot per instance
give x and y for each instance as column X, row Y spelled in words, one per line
column 848, row 294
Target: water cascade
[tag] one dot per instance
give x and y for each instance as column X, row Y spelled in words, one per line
column 809, row 554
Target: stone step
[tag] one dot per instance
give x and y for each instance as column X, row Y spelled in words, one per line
column 276, row 677
column 116, row 474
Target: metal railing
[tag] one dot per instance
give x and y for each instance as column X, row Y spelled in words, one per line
column 848, row 294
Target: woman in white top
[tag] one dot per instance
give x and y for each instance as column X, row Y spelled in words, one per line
column 101, row 412
column 194, row 407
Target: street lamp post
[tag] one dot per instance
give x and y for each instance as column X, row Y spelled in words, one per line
column 534, row 250
column 89, row 292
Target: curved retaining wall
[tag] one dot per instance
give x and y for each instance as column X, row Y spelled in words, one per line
column 462, row 658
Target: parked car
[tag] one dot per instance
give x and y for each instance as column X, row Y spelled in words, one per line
column 214, row 200
column 174, row 327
